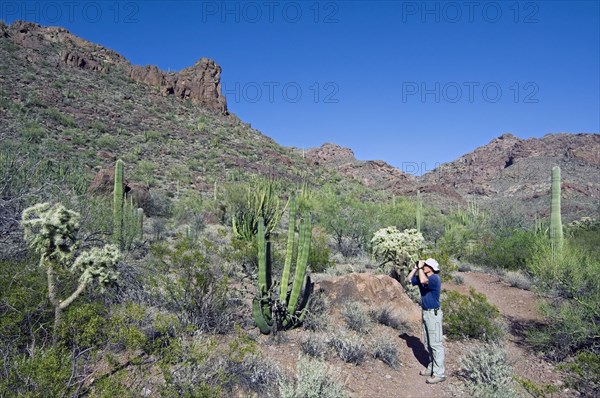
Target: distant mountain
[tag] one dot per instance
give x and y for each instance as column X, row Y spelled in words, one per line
column 513, row 170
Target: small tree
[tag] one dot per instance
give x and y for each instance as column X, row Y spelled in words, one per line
column 51, row 232
column 401, row 249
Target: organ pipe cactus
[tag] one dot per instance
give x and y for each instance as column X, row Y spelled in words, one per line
column 556, row 230
column 261, row 202
column 282, row 310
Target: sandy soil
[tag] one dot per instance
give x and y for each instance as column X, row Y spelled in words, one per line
column 374, row 379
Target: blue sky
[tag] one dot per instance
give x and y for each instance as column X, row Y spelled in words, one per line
column 413, row 83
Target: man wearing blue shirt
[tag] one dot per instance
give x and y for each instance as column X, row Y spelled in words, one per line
column 426, row 275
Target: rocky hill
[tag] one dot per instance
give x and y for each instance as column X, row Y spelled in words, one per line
column 78, row 103
column 509, row 172
column 513, row 170
column 66, row 100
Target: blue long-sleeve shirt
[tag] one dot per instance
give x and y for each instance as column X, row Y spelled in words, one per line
column 430, row 293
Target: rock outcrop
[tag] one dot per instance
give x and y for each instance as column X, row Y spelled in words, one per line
column 200, row 83
column 379, row 291
column 514, row 171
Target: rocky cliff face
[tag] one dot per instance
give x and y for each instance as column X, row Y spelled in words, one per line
column 200, row 83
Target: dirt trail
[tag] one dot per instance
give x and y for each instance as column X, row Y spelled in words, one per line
column 517, row 306
column 374, row 379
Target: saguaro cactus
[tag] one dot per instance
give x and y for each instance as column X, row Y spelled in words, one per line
column 556, row 229
column 274, row 311
column 419, row 210
column 118, row 199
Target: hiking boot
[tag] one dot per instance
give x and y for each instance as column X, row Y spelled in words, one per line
column 426, row 373
column 435, row 380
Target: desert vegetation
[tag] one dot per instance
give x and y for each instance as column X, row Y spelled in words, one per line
column 184, row 271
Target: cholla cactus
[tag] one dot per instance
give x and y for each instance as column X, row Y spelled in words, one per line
column 391, row 245
column 51, row 231
column 584, row 224
column 99, row 264
column 399, row 248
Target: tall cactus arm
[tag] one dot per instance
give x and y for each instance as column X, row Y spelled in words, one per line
column 303, row 247
column 262, row 258
column 285, row 276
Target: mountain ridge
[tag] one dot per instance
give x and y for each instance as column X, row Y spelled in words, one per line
column 90, row 85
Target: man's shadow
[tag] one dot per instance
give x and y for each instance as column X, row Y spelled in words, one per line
column 417, row 347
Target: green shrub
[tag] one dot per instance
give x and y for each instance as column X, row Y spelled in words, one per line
column 349, row 347
column 572, row 312
column 107, row 141
column 385, row 317
column 84, row 325
column 350, row 221
column 486, row 373
column 356, row 317
column 584, row 371
column 189, row 210
column 511, row 251
column 470, row 317
column 314, row 346
column 195, row 290
column 24, row 313
column 44, row 374
column 98, row 127
column 125, row 330
column 518, row 280
column 152, row 136
column 537, row 390
column 314, row 379
column 387, row 351
column 145, row 172
column 318, row 254
column 60, row 118
column 33, row 132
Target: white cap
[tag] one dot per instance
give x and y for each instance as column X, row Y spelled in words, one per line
column 433, row 264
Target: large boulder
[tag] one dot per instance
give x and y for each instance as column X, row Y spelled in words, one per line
column 378, row 291
column 104, row 181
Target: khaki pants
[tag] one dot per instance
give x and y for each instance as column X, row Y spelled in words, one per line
column 433, row 339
